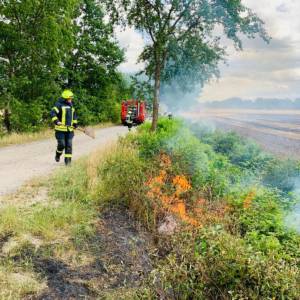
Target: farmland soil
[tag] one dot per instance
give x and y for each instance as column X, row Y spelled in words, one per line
column 276, row 131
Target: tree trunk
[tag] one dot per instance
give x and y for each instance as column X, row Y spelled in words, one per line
column 156, row 96
column 6, row 120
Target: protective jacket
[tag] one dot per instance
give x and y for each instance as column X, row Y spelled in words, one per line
column 64, row 113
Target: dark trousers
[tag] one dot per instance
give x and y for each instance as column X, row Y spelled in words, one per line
column 64, row 142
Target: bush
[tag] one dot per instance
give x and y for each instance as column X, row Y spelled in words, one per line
column 240, row 151
column 231, row 241
column 151, row 144
column 212, row 264
column 247, row 155
column 27, row 117
column 281, row 174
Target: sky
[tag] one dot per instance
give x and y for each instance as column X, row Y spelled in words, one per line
column 260, row 70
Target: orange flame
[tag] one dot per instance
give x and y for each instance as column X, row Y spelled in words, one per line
column 248, row 200
column 203, row 211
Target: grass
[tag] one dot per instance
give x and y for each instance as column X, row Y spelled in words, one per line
column 53, row 218
column 16, row 285
column 26, row 137
column 59, row 222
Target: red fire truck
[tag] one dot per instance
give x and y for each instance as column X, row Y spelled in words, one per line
column 133, row 110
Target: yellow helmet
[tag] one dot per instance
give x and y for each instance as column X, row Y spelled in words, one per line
column 66, row 94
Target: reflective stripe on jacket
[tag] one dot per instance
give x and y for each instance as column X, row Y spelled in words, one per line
column 64, row 113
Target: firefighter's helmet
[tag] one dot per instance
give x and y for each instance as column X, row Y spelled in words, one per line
column 66, row 94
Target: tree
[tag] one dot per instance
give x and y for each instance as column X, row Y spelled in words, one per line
column 34, row 37
column 182, row 35
column 91, row 68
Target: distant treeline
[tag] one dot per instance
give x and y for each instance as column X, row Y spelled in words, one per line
column 259, row 103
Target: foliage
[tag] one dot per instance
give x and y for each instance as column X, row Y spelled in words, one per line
column 231, row 240
column 46, row 46
column 34, row 38
column 247, row 155
column 91, row 66
column 212, row 264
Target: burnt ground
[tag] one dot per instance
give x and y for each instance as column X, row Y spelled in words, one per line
column 122, row 260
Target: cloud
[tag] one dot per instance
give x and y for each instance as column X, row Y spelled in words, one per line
column 283, row 8
column 133, row 43
column 264, row 70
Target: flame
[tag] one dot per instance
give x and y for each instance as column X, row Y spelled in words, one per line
column 203, row 211
column 248, row 200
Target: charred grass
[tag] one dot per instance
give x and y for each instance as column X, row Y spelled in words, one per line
column 59, row 237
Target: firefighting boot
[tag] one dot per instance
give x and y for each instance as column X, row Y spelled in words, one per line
column 57, row 156
column 68, row 161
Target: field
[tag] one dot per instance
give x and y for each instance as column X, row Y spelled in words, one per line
column 277, row 131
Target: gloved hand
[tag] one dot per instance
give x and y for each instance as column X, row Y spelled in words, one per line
column 75, row 125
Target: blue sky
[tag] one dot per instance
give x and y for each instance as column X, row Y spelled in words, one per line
column 261, row 70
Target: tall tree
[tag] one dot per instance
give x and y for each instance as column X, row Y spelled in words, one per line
column 34, row 37
column 184, row 36
column 91, row 68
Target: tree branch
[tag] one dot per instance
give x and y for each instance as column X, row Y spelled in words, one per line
column 172, row 28
column 168, row 17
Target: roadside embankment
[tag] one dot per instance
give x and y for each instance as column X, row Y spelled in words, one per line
column 177, row 214
column 59, row 240
column 216, row 204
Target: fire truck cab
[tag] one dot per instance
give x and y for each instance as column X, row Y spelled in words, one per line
column 132, row 109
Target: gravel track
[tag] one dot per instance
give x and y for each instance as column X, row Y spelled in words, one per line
column 20, row 163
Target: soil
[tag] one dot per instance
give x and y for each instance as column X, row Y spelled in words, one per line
column 122, row 260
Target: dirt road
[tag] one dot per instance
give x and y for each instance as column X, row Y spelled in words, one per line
column 20, row 163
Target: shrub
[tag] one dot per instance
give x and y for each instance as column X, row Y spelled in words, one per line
column 212, row 264
column 149, row 143
column 231, row 241
column 281, row 174
column 27, row 117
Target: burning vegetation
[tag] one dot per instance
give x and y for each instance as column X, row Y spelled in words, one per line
column 228, row 237
column 172, row 194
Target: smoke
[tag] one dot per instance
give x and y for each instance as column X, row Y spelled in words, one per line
column 177, row 100
column 292, row 219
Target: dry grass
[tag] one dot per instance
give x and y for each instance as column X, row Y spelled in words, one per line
column 22, row 138
column 17, row 285
column 54, row 221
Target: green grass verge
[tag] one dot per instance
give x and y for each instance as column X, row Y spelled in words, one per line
column 237, row 247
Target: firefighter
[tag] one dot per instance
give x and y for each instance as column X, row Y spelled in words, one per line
column 65, row 120
column 129, row 120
